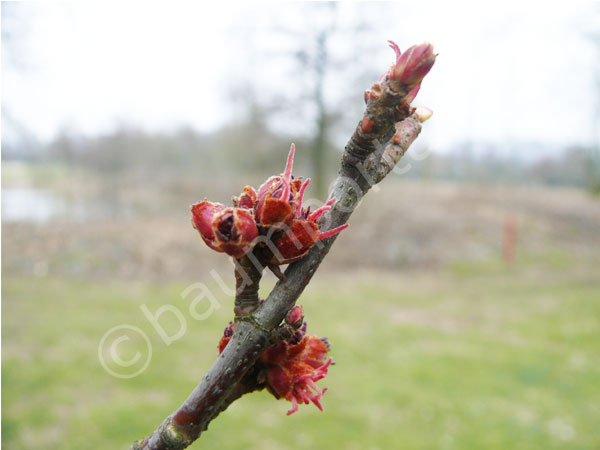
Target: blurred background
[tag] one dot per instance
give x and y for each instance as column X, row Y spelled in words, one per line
column 463, row 303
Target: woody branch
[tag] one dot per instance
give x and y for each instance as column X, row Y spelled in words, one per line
column 388, row 127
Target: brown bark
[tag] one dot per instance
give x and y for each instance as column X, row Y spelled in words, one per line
column 368, row 158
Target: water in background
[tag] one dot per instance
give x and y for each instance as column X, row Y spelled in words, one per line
column 27, row 204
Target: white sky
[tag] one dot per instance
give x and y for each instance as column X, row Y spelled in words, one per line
column 506, row 71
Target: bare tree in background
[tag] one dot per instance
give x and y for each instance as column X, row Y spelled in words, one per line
column 593, row 167
column 319, row 64
column 24, row 144
column 317, row 49
column 595, row 150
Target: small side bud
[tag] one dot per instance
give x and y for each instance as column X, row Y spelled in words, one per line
column 366, row 125
column 247, row 198
column 295, row 317
column 283, row 333
column 422, row 113
column 227, row 334
column 228, row 331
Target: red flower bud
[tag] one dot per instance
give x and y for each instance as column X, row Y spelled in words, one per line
column 303, row 232
column 292, row 371
column 292, row 367
column 247, row 198
column 202, row 217
column 227, row 334
column 275, row 199
column 228, row 230
column 295, row 317
column 412, row 65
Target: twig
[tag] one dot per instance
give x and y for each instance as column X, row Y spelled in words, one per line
column 388, row 128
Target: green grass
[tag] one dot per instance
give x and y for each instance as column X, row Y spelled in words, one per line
column 487, row 358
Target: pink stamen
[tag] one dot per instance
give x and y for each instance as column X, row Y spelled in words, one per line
column 285, row 192
column 302, row 378
column 316, row 396
column 314, row 216
column 309, row 394
column 301, row 196
column 395, row 48
column 294, row 407
column 287, row 174
column 305, row 390
column 302, row 395
column 322, row 370
column 313, row 385
column 317, row 403
column 320, row 397
column 332, row 232
column 318, row 376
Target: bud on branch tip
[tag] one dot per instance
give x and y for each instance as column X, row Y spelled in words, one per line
column 412, row 65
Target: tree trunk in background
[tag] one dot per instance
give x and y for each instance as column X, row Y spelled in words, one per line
column 319, row 157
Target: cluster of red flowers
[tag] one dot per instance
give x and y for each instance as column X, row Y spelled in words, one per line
column 291, row 368
column 274, row 216
column 275, row 211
